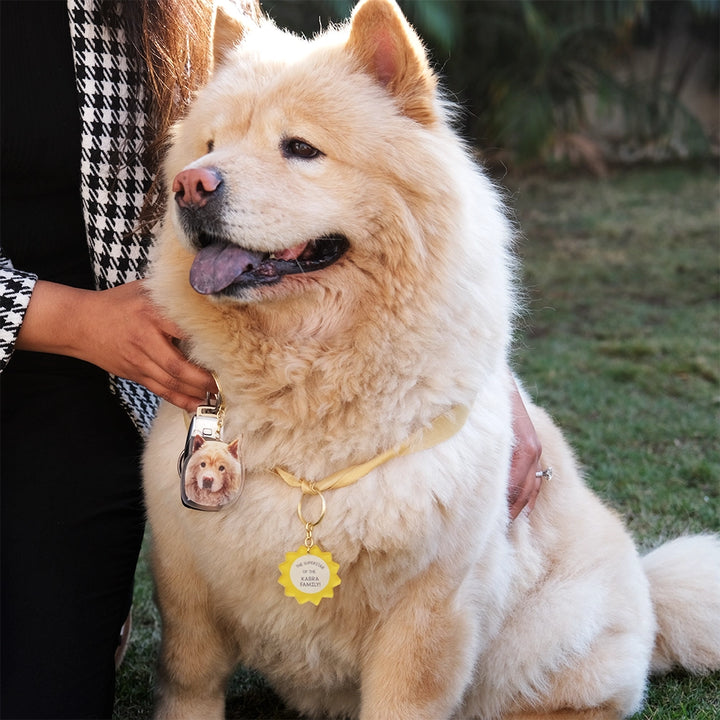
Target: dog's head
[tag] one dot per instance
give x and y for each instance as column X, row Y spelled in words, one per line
column 214, row 472
column 330, row 247
column 301, row 158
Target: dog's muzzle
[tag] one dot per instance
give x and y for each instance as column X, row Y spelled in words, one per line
column 222, row 266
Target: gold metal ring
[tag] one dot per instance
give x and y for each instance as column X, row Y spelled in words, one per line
column 322, row 509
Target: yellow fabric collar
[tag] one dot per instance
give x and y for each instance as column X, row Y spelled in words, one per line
column 442, row 428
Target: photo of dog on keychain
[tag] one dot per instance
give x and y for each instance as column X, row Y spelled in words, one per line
column 334, row 254
column 213, row 475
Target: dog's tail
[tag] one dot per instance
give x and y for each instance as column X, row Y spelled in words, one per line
column 684, row 577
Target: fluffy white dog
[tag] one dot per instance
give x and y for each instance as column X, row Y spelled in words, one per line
column 337, row 259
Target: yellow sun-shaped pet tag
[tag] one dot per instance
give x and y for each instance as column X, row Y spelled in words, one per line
column 309, row 574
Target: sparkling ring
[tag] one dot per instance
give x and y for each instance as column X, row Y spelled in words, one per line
column 545, row 474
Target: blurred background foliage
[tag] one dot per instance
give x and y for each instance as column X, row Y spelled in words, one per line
column 566, row 82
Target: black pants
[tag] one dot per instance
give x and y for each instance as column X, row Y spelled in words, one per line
column 72, row 525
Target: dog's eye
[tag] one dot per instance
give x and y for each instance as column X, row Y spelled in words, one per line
column 210, row 146
column 296, row 148
column 202, row 464
column 222, row 468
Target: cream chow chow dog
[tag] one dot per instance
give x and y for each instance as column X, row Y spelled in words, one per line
column 334, row 255
column 213, row 475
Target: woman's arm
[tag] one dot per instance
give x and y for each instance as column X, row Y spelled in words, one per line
column 118, row 330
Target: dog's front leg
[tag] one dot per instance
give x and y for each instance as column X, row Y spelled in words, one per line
column 419, row 661
column 195, row 659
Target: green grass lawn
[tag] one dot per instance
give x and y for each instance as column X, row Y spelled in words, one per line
column 620, row 341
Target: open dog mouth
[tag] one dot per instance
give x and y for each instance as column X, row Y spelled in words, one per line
column 222, row 266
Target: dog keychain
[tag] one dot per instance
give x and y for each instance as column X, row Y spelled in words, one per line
column 211, row 471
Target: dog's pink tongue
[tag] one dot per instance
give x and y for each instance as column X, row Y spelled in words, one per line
column 217, row 266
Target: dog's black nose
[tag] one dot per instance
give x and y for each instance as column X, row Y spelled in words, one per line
column 193, row 187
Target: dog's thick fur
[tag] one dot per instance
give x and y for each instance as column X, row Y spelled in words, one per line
column 445, row 608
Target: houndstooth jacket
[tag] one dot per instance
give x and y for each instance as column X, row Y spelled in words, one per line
column 113, row 181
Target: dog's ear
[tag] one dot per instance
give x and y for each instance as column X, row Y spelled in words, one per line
column 198, row 442
column 234, row 448
column 387, row 46
column 229, row 25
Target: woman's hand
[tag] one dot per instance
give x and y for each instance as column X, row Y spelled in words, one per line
column 525, row 475
column 120, row 331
